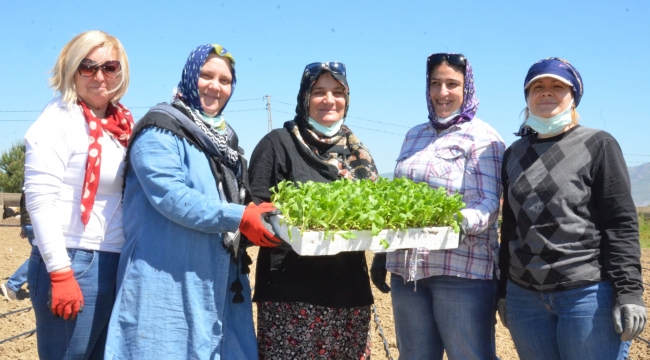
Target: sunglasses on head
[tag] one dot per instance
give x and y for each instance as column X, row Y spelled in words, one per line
column 453, row 59
column 89, row 68
column 335, row 67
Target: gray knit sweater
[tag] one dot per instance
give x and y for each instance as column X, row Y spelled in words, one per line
column 568, row 216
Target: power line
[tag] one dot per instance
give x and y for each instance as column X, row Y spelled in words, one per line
column 128, row 107
column 268, row 108
column 19, row 111
column 261, row 98
column 225, row 112
column 284, row 112
column 387, row 132
column 232, row 111
column 379, row 122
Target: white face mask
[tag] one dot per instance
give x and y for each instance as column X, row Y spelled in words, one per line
column 448, row 118
column 552, row 125
column 328, row 131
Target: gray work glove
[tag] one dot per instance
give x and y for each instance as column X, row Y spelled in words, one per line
column 272, row 224
column 634, row 318
column 378, row 272
column 501, row 310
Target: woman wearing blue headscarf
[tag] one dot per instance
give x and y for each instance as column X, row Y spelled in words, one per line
column 182, row 288
column 445, row 300
column 570, row 255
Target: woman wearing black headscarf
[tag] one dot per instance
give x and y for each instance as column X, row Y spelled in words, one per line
column 317, row 305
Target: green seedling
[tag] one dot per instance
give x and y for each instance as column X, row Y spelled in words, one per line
column 343, row 206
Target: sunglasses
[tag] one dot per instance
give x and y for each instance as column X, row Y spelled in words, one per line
column 453, row 59
column 335, row 67
column 89, row 68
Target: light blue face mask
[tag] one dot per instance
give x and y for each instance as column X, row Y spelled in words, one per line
column 327, row 131
column 552, row 125
column 217, row 122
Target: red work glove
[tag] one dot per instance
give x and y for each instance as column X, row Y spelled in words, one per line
column 67, row 298
column 255, row 227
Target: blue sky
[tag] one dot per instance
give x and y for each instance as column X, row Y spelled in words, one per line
column 383, row 43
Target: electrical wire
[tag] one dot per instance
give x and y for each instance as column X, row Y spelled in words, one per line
column 282, row 112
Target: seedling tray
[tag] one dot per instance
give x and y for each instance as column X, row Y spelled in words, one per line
column 314, row 243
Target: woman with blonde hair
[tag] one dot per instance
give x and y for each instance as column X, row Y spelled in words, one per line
column 73, row 171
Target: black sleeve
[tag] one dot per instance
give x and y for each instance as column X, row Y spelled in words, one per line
column 618, row 224
column 508, row 229
column 263, row 170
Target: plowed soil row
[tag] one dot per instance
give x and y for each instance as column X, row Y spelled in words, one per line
column 14, row 250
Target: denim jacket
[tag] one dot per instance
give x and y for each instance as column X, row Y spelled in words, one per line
column 173, row 298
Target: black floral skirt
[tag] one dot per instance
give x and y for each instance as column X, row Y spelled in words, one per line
column 304, row 331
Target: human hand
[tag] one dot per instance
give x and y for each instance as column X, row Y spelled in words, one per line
column 22, row 234
column 501, row 310
column 255, row 224
column 67, row 299
column 378, row 272
column 634, row 318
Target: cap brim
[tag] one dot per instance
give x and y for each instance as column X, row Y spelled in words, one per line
column 556, row 77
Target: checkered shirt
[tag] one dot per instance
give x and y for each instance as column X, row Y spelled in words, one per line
column 465, row 158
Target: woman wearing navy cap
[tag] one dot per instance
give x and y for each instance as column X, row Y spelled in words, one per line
column 569, row 237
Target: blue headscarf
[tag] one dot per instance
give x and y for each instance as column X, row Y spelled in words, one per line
column 188, row 86
column 559, row 69
column 470, row 101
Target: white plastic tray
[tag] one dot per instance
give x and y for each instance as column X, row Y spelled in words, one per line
column 315, row 242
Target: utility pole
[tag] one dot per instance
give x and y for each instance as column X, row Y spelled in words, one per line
column 268, row 108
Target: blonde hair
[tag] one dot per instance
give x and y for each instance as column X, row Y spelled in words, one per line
column 77, row 49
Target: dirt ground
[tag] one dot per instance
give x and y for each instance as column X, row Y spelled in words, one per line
column 14, row 250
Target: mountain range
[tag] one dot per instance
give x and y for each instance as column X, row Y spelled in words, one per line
column 639, row 177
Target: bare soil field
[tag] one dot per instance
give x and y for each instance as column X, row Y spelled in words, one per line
column 14, row 251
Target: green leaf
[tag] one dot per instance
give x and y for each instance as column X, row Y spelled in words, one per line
column 346, row 205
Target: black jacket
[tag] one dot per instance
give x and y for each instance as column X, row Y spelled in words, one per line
column 339, row 281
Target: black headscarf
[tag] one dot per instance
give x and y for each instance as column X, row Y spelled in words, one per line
column 343, row 153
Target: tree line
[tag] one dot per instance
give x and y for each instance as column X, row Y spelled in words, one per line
column 12, row 168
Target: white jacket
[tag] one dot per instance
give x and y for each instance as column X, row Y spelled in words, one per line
column 57, row 148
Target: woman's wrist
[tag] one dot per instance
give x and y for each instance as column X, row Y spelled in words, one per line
column 61, row 270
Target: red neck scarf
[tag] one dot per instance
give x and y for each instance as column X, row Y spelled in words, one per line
column 118, row 123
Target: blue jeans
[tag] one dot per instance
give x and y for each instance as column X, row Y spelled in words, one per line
column 19, row 277
column 574, row 324
column 85, row 336
column 446, row 313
